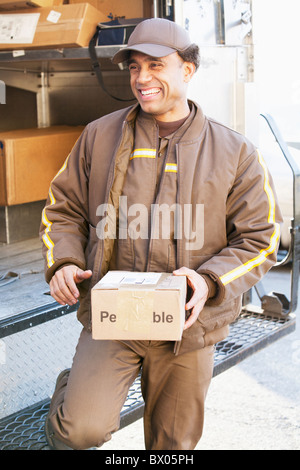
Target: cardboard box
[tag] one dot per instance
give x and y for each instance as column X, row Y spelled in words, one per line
column 17, row 4
column 117, row 8
column 57, row 26
column 138, row 306
column 29, row 160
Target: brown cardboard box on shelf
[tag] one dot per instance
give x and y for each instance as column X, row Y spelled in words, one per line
column 138, row 306
column 18, row 4
column 29, row 160
column 53, row 27
column 126, row 8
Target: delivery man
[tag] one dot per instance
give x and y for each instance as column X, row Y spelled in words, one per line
column 159, row 152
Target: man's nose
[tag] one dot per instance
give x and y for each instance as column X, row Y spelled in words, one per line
column 145, row 75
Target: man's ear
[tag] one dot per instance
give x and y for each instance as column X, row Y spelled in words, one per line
column 189, row 70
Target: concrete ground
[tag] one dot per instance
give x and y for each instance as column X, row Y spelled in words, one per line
column 253, row 406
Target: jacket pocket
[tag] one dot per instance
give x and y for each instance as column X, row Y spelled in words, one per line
column 125, row 255
column 215, row 317
column 192, row 339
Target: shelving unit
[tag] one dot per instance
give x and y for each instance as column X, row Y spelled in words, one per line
column 55, row 87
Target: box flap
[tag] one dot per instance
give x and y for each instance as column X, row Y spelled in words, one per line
column 123, row 279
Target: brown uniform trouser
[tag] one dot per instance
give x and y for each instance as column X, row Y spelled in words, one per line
column 85, row 408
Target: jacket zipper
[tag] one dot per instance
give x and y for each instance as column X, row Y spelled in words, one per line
column 157, row 196
column 178, row 244
column 100, row 247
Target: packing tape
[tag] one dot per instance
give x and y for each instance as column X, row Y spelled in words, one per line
column 134, row 310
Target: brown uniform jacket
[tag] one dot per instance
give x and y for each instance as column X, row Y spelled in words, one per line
column 218, row 170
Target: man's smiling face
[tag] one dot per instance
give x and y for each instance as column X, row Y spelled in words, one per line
column 160, row 84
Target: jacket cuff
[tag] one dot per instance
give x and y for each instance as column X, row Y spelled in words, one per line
column 212, row 286
column 216, row 290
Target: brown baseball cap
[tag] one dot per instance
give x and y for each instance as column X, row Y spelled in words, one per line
column 156, row 37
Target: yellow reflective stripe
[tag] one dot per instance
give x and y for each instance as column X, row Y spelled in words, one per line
column 51, row 197
column 261, row 258
column 62, row 168
column 263, row 254
column 46, row 238
column 171, row 168
column 143, row 153
column 50, row 245
column 268, row 190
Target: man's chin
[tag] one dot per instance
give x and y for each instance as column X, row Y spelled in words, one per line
column 150, row 108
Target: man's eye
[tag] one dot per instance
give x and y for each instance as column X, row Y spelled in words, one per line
column 132, row 68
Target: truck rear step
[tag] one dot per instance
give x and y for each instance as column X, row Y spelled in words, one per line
column 252, row 331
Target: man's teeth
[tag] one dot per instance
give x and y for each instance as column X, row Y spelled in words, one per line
column 153, row 91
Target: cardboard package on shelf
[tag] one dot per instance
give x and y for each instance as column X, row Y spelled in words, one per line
column 121, row 8
column 18, row 4
column 30, row 159
column 52, row 27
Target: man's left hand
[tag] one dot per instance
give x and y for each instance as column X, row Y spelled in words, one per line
column 200, row 293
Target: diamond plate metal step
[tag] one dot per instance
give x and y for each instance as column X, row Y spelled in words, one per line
column 251, row 332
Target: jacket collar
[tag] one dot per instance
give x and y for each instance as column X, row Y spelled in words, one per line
column 193, row 133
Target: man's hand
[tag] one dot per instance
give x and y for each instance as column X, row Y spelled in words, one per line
column 200, row 293
column 63, row 284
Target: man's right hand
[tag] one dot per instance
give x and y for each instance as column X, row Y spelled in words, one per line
column 63, row 286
